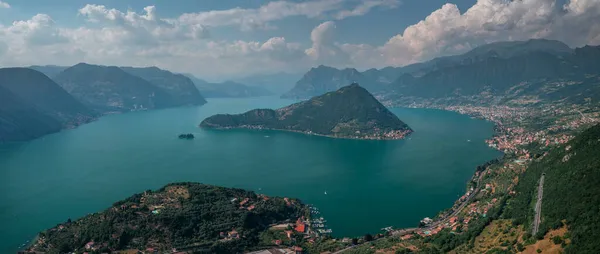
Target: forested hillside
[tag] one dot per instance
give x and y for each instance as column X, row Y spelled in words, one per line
column 350, row 112
column 186, row 216
column 20, row 121
column 571, row 192
column 32, row 105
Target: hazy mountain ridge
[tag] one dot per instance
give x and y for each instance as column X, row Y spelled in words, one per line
column 323, row 79
column 350, row 112
column 227, row 89
column 34, row 105
column 181, row 88
column 49, row 70
column 534, row 76
column 277, row 83
column 109, row 88
column 502, row 72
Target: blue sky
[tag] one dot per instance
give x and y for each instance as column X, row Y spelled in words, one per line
column 224, row 38
column 372, row 28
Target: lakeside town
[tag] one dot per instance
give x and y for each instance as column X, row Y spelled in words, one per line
column 522, row 134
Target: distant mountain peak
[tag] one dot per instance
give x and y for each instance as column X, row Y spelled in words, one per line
column 353, row 86
column 326, row 79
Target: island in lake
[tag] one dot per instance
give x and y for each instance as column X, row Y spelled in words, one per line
column 350, row 112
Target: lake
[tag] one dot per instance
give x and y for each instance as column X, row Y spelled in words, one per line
column 369, row 184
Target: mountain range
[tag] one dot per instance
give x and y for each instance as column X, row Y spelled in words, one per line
column 350, row 112
column 34, row 105
column 109, row 89
column 511, row 72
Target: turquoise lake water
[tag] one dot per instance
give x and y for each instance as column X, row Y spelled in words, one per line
column 369, row 184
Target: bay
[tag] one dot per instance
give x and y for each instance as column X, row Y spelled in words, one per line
column 369, row 184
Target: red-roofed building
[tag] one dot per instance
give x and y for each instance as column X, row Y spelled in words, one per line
column 406, row 237
column 300, row 226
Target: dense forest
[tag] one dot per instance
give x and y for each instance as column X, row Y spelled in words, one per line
column 184, row 216
column 571, row 192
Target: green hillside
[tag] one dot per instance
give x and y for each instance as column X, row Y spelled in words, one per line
column 190, row 217
column 350, row 112
column 20, row 121
column 571, row 191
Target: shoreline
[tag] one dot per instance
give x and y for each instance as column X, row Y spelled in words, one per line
column 305, row 133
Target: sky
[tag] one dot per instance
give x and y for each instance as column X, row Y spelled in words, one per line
column 219, row 39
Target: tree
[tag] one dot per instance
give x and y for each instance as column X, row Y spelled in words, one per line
column 557, row 240
column 403, row 251
column 520, row 247
column 368, row 238
column 354, row 241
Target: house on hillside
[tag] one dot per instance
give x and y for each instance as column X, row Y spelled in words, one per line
column 300, row 226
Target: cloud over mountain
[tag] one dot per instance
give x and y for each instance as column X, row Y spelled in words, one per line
column 191, row 42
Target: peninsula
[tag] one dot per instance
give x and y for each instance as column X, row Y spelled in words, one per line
column 350, row 112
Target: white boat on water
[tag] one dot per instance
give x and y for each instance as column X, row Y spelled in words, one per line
column 325, row 192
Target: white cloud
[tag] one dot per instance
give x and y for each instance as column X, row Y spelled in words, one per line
column 4, row 5
column 447, row 31
column 183, row 44
column 250, row 19
column 115, row 37
column 324, row 48
column 39, row 41
column 146, row 27
column 40, row 30
column 365, row 7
